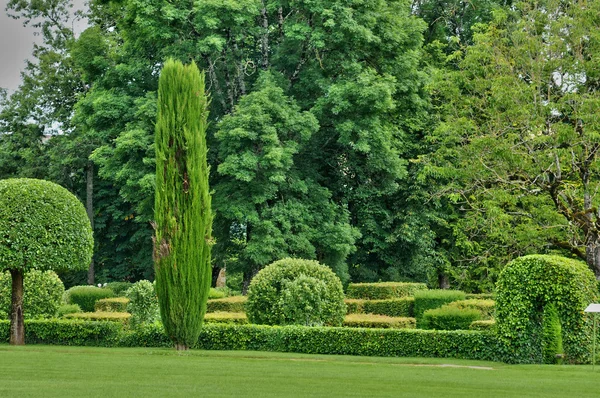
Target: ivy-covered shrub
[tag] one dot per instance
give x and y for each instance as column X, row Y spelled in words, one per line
column 552, row 348
column 86, row 296
column 122, row 317
column 119, row 288
column 383, row 290
column 378, row 321
column 431, row 299
column 525, row 287
column 228, row 304
column 238, row 318
column 485, row 307
column 449, row 318
column 67, row 309
column 143, row 303
column 398, row 307
column 277, row 293
column 42, row 294
column 113, row 304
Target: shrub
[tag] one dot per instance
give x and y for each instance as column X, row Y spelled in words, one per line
column 42, row 296
column 86, row 296
column 122, row 317
column 383, row 290
column 480, row 296
column 118, row 288
column 430, row 299
column 216, row 293
column 238, row 318
column 449, row 318
column 143, row 303
column 68, row 332
column 528, row 284
column 399, row 307
column 67, row 309
column 483, row 325
column 113, row 304
column 486, row 307
column 274, row 289
column 551, row 336
column 355, row 306
column 378, row 321
column 228, row 304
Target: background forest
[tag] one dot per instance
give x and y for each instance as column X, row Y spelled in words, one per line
column 431, row 141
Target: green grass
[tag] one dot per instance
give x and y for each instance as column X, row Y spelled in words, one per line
column 56, row 371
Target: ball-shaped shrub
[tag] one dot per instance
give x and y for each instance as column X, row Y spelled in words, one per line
column 86, row 296
column 284, row 293
column 42, row 294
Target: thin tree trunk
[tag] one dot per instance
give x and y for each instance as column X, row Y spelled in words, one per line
column 592, row 254
column 17, row 327
column 443, row 281
column 265, row 37
column 89, row 207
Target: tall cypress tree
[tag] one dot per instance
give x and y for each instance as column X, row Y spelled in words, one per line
column 182, row 209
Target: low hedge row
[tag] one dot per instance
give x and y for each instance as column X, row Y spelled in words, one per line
column 481, row 296
column 398, row 307
column 449, row 318
column 228, row 304
column 114, row 304
column 485, row 307
column 86, row 296
column 238, row 318
column 383, row 290
column 486, row 325
column 378, row 321
column 300, row 339
column 430, row 299
column 122, row 317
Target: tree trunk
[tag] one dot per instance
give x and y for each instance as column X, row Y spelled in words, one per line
column 17, row 327
column 89, row 207
column 248, row 275
column 592, row 254
column 443, row 281
column 181, row 347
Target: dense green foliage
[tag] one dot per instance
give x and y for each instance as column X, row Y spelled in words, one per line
column 378, row 321
column 448, row 317
column 238, row 318
column 143, row 303
column 111, row 316
column 551, row 335
column 182, row 209
column 228, row 304
column 119, row 288
column 526, row 286
column 489, row 325
column 295, row 291
column 43, row 292
column 401, row 307
column 42, row 226
column 67, row 309
column 385, row 290
column 114, row 304
column 485, row 307
column 431, row 299
column 86, row 296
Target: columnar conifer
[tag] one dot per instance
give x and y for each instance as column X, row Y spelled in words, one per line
column 182, row 209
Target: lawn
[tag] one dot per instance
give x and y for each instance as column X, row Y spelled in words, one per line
column 56, row 371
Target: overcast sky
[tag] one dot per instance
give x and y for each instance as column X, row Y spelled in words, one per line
column 16, row 44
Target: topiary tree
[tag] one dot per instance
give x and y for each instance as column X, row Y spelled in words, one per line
column 44, row 227
column 182, row 209
column 296, row 291
column 42, row 294
column 529, row 284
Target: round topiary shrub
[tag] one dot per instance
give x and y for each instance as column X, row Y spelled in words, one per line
column 526, row 286
column 42, row 294
column 296, row 292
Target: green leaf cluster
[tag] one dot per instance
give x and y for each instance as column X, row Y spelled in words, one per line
column 42, row 294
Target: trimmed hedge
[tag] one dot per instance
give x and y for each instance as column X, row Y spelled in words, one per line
column 86, row 296
column 431, row 299
column 214, row 293
column 485, row 307
column 67, row 309
column 481, row 296
column 398, row 307
column 489, row 325
column 122, row 317
column 228, row 304
column 238, row 318
column 378, row 321
column 300, row 339
column 449, row 318
column 383, row 290
column 113, row 304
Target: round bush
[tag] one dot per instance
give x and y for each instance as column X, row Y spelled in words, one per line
column 86, row 296
column 42, row 294
column 296, row 291
column 143, row 303
column 525, row 287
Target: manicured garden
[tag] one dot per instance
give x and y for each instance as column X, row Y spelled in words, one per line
column 57, row 371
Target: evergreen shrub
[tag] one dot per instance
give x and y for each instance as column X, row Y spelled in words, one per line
column 67, row 309
column 228, row 304
column 238, row 318
column 296, row 291
column 119, row 288
column 449, row 318
column 378, row 321
column 122, row 317
column 486, row 307
column 113, row 304
column 481, row 296
column 398, row 307
column 143, row 303
column 483, row 325
column 431, row 299
column 383, row 290
column 551, row 336
column 86, row 296
column 214, row 293
column 525, row 287
column 42, row 294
